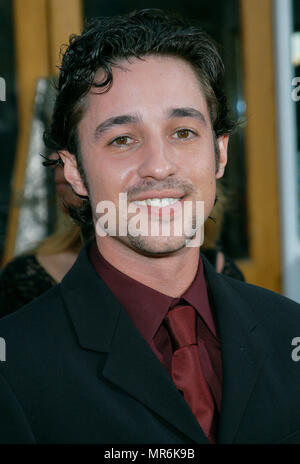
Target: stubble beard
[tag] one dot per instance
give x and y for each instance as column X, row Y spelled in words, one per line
column 158, row 246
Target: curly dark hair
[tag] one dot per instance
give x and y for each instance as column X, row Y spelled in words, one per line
column 104, row 42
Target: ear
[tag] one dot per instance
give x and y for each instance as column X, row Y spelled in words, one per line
column 222, row 142
column 72, row 174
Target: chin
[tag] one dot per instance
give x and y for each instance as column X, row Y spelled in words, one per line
column 156, row 246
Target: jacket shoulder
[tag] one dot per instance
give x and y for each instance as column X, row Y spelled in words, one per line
column 263, row 303
column 38, row 323
column 34, row 308
column 278, row 314
column 262, row 296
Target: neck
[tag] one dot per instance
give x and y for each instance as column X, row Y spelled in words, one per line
column 171, row 274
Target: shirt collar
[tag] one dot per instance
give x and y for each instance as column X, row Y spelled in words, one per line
column 147, row 307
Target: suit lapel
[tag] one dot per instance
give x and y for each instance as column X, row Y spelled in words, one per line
column 132, row 366
column 102, row 324
column 242, row 353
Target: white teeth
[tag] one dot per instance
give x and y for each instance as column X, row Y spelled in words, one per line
column 159, row 202
column 154, row 202
column 165, row 202
column 142, row 203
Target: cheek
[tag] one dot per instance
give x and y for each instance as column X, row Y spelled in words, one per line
column 107, row 178
column 203, row 178
column 200, row 157
column 203, row 171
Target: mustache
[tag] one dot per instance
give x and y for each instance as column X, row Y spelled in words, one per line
column 183, row 186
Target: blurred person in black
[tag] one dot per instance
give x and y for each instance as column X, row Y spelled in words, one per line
column 143, row 341
column 29, row 275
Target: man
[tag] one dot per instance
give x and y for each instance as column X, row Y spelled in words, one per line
column 143, row 342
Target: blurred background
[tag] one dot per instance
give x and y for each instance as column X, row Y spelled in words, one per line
column 260, row 44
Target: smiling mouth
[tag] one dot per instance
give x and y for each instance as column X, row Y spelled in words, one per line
column 158, row 202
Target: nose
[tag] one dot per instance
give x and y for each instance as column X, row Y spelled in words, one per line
column 157, row 162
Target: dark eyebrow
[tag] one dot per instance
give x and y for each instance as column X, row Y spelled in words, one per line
column 116, row 121
column 186, row 112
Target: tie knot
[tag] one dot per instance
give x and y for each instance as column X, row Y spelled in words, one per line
column 181, row 322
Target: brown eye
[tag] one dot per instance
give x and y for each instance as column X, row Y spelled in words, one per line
column 183, row 133
column 121, row 140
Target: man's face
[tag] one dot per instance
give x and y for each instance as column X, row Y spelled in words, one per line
column 149, row 136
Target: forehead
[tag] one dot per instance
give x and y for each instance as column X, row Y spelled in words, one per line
column 149, row 85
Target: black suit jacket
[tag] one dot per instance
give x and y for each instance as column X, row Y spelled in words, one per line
column 78, row 371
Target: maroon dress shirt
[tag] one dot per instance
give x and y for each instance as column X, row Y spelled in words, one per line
column 148, row 308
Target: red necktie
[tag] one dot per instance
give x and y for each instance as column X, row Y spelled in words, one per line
column 186, row 368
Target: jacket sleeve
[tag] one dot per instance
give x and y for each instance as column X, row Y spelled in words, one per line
column 14, row 427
